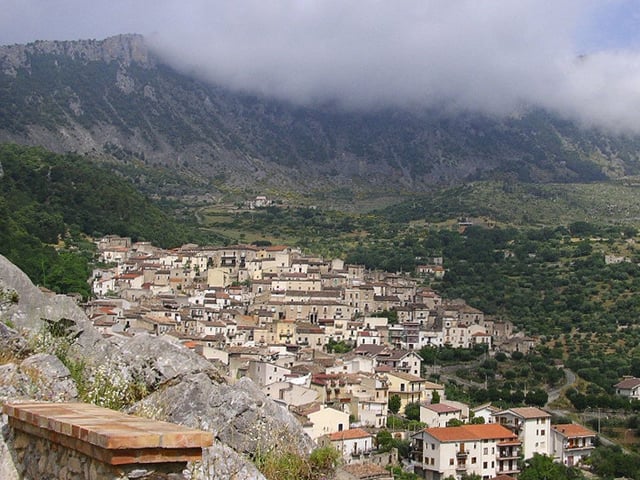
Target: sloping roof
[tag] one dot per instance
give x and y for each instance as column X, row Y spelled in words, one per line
column 489, row 431
column 432, row 386
column 628, row 383
column 572, row 430
column 406, row 376
column 350, row 434
column 442, row 408
column 529, row 412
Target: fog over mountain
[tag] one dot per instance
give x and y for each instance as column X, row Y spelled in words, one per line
column 487, row 57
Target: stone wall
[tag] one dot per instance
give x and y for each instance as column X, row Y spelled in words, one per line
column 40, row 459
column 69, row 441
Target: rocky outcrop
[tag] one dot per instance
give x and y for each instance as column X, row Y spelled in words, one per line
column 186, row 388
column 124, row 49
column 239, row 415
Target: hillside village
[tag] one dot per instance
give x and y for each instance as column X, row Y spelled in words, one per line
column 276, row 315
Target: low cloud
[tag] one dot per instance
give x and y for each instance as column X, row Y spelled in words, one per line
column 494, row 57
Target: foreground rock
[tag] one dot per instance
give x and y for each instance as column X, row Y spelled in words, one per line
column 187, row 389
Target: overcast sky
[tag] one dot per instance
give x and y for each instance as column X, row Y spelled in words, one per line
column 579, row 58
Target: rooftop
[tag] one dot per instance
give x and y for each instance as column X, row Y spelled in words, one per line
column 350, row 434
column 489, row 431
column 573, row 430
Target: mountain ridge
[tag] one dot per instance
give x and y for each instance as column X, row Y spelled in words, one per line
column 117, row 99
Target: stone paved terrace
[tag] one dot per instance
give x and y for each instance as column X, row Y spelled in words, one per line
column 108, row 436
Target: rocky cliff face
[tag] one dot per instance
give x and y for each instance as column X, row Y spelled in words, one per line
column 115, row 98
column 186, row 388
column 123, row 49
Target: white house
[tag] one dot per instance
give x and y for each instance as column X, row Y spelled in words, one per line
column 439, row 414
column 532, row 426
column 325, row 420
column 571, row 443
column 350, row 443
column 486, row 411
column 486, row 450
column 264, row 373
column 629, row 387
column 290, row 394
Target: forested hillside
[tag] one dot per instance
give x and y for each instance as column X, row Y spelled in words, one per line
column 49, row 203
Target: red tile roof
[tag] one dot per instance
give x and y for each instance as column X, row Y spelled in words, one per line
column 441, row 408
column 489, row 431
column 573, row 430
column 350, row 434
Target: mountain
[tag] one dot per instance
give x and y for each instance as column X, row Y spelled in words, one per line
column 117, row 100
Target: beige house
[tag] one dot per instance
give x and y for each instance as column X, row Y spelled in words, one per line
column 410, row 388
column 369, row 400
column 220, row 277
column 309, row 335
column 325, row 420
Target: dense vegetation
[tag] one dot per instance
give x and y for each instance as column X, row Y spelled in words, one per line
column 49, row 203
column 551, row 282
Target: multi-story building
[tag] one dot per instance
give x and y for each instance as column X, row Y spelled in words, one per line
column 485, row 450
column 410, row 388
column 532, row 426
column 571, row 443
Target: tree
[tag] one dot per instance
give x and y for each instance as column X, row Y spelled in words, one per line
column 537, row 397
column 394, row 404
column 412, row 411
column 541, row 467
column 384, row 440
column 435, row 397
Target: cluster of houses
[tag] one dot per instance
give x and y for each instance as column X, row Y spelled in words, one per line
column 241, row 295
column 493, row 448
column 274, row 315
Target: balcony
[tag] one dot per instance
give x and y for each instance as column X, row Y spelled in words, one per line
column 462, row 454
column 579, row 446
column 461, row 467
column 508, row 454
column 508, row 468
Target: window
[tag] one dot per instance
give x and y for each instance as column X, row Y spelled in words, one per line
column 484, row 464
column 485, row 451
column 542, row 432
column 451, row 461
column 474, row 460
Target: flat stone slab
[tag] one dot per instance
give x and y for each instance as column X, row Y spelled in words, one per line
column 108, row 435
